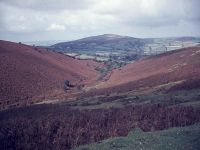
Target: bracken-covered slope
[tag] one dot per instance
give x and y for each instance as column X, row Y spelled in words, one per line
column 29, row 73
column 180, row 66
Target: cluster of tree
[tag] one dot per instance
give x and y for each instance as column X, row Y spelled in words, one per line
column 59, row 127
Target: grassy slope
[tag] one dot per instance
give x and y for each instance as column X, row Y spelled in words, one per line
column 183, row 138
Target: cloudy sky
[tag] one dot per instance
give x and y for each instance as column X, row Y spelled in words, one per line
column 34, row 20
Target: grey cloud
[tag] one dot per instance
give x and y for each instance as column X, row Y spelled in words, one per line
column 70, row 19
column 161, row 13
column 48, row 5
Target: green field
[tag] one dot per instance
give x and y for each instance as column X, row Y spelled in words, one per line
column 182, row 138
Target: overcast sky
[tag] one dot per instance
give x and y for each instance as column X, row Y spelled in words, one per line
column 34, row 20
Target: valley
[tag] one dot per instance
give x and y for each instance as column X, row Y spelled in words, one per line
column 99, row 75
column 53, row 100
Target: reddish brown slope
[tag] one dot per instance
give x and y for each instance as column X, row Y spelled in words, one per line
column 181, row 65
column 27, row 72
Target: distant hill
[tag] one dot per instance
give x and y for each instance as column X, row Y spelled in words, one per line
column 29, row 73
column 117, row 45
column 101, row 43
column 186, row 38
column 43, row 43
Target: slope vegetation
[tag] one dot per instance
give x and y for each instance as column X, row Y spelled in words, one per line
column 29, row 73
